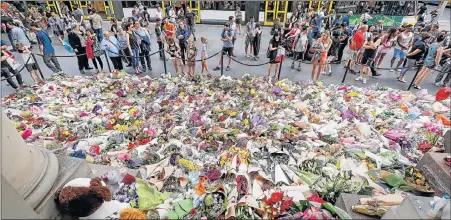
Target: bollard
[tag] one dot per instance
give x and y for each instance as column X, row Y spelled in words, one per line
column 222, row 63
column 107, row 62
column 39, row 68
column 346, row 72
column 280, row 69
column 415, row 77
column 164, row 62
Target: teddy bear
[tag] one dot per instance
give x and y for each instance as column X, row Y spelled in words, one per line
column 81, row 197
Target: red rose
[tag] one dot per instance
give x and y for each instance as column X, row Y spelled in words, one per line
column 109, row 126
column 131, row 146
column 276, row 197
column 193, row 211
column 267, row 201
column 286, row 205
column 144, row 141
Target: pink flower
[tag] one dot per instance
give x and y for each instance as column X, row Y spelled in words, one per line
column 123, row 156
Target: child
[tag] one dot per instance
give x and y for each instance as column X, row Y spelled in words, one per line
column 333, row 51
column 30, row 65
column 174, row 51
column 192, row 54
column 300, row 47
column 93, row 50
column 204, row 55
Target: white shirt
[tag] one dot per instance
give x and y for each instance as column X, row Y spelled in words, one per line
column 233, row 28
column 158, row 15
column 405, row 39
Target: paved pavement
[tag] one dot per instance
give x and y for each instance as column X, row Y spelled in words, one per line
column 212, row 33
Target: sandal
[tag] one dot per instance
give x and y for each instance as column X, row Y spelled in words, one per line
column 416, row 87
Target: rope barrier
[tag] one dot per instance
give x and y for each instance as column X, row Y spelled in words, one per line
column 245, row 64
column 194, row 60
column 134, row 56
column 18, row 71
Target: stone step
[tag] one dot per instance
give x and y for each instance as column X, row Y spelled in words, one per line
column 436, row 171
column 69, row 168
column 412, row 207
column 345, row 201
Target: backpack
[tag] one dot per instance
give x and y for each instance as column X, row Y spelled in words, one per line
column 268, row 53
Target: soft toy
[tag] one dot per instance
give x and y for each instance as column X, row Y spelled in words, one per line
column 131, row 213
column 81, row 197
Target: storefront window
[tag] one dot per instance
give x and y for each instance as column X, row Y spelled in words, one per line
column 221, row 5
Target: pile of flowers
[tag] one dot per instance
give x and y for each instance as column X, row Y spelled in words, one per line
column 223, row 147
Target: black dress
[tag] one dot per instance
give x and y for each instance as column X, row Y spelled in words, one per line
column 273, row 53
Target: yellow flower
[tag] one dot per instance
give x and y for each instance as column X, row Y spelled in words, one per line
column 138, row 123
column 209, row 92
column 253, row 92
column 233, row 114
column 353, row 94
column 66, row 133
column 320, row 84
column 196, row 87
column 131, row 111
column 111, row 87
column 419, row 175
column 246, row 121
column 181, row 95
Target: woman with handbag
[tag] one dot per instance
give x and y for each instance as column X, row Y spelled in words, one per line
column 320, row 57
column 78, row 42
column 8, row 68
column 274, row 45
column 145, row 46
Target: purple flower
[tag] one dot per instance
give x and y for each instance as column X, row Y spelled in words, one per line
column 348, row 114
column 276, row 90
column 96, row 109
column 213, row 175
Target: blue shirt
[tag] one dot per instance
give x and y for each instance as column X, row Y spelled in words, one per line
column 3, row 43
column 345, row 20
column 44, row 40
column 111, row 46
column 319, row 24
column 18, row 34
column 183, row 32
column 227, row 44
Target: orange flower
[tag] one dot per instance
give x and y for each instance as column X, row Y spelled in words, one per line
column 200, row 188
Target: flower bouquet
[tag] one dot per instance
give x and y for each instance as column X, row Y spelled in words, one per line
column 414, row 177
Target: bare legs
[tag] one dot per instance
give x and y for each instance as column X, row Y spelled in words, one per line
column 317, row 64
column 379, row 58
column 277, row 65
column 424, row 72
column 204, row 66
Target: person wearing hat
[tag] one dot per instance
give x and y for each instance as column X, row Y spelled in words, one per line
column 370, row 48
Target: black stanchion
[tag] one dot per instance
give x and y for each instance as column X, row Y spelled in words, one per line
column 415, row 77
column 346, row 72
column 222, row 63
column 39, row 68
column 280, row 69
column 107, row 62
column 164, row 62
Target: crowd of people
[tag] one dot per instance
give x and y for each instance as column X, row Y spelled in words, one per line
column 317, row 38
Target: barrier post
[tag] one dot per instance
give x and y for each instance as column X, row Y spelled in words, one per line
column 108, row 62
column 37, row 65
column 415, row 77
column 222, row 63
column 164, row 62
column 280, row 69
column 346, row 72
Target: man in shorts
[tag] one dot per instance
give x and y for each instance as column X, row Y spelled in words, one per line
column 403, row 42
column 227, row 48
column 191, row 18
column 356, row 44
column 250, row 35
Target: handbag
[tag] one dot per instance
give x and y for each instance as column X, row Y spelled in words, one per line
column 13, row 63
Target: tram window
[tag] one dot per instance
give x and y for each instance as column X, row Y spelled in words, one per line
column 291, row 6
column 262, row 6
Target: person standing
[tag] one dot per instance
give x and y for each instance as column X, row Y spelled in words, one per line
column 57, row 26
column 125, row 52
column 370, row 48
column 319, row 59
column 113, row 29
column 93, row 50
column 300, row 47
column 257, row 40
column 133, row 46
column 169, row 28
column 46, row 49
column 158, row 14
column 386, row 44
column 403, row 41
column 274, row 45
column 250, row 31
column 421, row 12
column 65, row 10
column 77, row 41
column 8, row 71
column 77, row 15
column 191, row 54
column 415, row 54
column 227, row 46
column 159, row 38
column 29, row 62
column 233, row 29
column 191, row 18
column 204, row 55
column 145, row 46
column 111, row 45
column 239, row 19
column 344, row 38
column 97, row 24
column 18, row 35
column 5, row 19
column 356, row 43
column 347, row 17
column 182, row 34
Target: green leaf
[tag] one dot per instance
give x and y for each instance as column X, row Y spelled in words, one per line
column 186, row 204
column 148, row 197
column 172, row 215
column 332, row 210
column 361, row 155
column 393, row 180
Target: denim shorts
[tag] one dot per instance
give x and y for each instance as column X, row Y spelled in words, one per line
column 399, row 53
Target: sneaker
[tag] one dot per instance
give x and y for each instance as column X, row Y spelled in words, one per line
column 330, row 73
column 323, row 73
column 438, row 84
column 150, row 68
column 391, row 70
column 89, row 68
column 292, row 65
column 358, row 78
column 376, row 74
column 217, row 68
column 399, row 70
column 364, row 80
column 247, row 55
column 129, row 65
column 228, row 68
column 144, row 69
column 82, row 72
column 299, row 69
